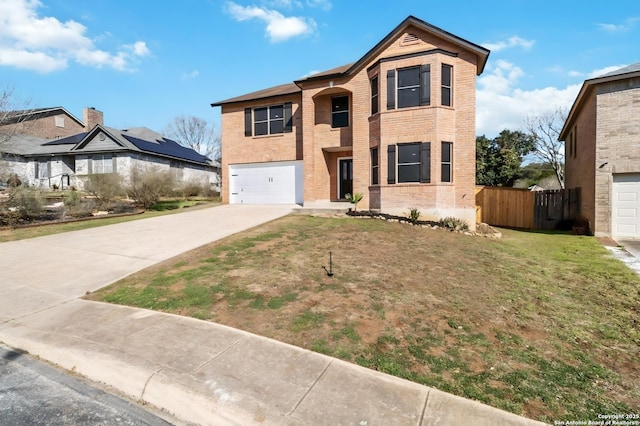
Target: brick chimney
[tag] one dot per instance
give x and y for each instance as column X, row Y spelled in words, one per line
column 91, row 118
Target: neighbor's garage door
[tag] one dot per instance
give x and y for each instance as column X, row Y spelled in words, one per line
column 266, row 183
column 626, row 206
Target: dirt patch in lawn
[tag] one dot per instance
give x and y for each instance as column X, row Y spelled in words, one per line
column 541, row 325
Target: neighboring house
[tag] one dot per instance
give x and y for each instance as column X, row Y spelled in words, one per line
column 92, row 148
column 602, row 152
column 49, row 123
column 397, row 126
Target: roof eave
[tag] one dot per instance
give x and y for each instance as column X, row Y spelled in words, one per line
column 238, row 99
column 586, row 86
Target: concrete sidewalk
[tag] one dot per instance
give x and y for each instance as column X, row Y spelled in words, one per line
column 200, row 372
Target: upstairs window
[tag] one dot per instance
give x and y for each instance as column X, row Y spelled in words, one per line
column 409, row 87
column 447, row 85
column 375, row 102
column 268, row 120
column 340, row 111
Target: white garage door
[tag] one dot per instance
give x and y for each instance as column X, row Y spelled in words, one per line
column 626, row 206
column 266, row 183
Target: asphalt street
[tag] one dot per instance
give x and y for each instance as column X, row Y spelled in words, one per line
column 35, row 393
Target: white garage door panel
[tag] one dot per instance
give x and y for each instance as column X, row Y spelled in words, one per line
column 266, row 183
column 625, row 219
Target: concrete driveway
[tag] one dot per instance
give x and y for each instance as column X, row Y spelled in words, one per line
column 628, row 251
column 42, row 272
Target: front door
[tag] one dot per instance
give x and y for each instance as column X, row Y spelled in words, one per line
column 345, row 177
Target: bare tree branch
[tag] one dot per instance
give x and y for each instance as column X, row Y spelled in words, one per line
column 545, row 127
column 197, row 134
column 11, row 119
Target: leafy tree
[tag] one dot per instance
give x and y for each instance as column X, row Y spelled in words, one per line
column 498, row 160
column 545, row 127
column 533, row 173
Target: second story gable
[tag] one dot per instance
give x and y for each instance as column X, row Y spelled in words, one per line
column 417, row 66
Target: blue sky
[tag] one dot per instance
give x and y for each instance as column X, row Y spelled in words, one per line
column 143, row 63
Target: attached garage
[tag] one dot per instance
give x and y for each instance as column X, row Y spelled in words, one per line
column 625, row 212
column 266, row 183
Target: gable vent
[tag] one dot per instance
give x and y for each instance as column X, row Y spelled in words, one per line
column 410, row 38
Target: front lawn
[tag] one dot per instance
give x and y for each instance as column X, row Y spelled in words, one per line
column 542, row 325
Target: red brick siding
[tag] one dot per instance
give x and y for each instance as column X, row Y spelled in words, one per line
column 46, row 128
column 240, row 149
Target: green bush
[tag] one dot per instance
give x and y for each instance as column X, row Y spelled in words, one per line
column 414, row 215
column 147, row 185
column 354, row 199
column 105, row 187
column 72, row 198
column 454, row 223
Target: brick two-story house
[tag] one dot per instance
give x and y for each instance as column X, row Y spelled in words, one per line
column 602, row 152
column 397, row 125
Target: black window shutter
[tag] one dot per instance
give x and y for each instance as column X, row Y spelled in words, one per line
column 391, row 89
column 425, row 84
column 391, row 164
column 288, row 121
column 247, row 122
column 425, row 162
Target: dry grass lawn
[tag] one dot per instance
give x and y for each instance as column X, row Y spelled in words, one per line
column 542, row 325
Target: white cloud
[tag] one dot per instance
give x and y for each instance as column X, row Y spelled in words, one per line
column 45, row 44
column 31, row 60
column 595, row 73
column 610, row 27
column 139, row 48
column 500, row 105
column 190, row 75
column 605, row 70
column 279, row 27
column 614, row 28
column 291, row 4
column 514, row 41
column 320, row 4
column 282, row 4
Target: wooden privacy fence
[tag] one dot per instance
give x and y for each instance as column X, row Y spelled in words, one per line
column 521, row 208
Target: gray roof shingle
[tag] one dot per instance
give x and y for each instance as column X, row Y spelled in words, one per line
column 624, row 70
column 138, row 139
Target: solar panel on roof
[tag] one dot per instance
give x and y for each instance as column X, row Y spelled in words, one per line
column 167, row 147
column 70, row 140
